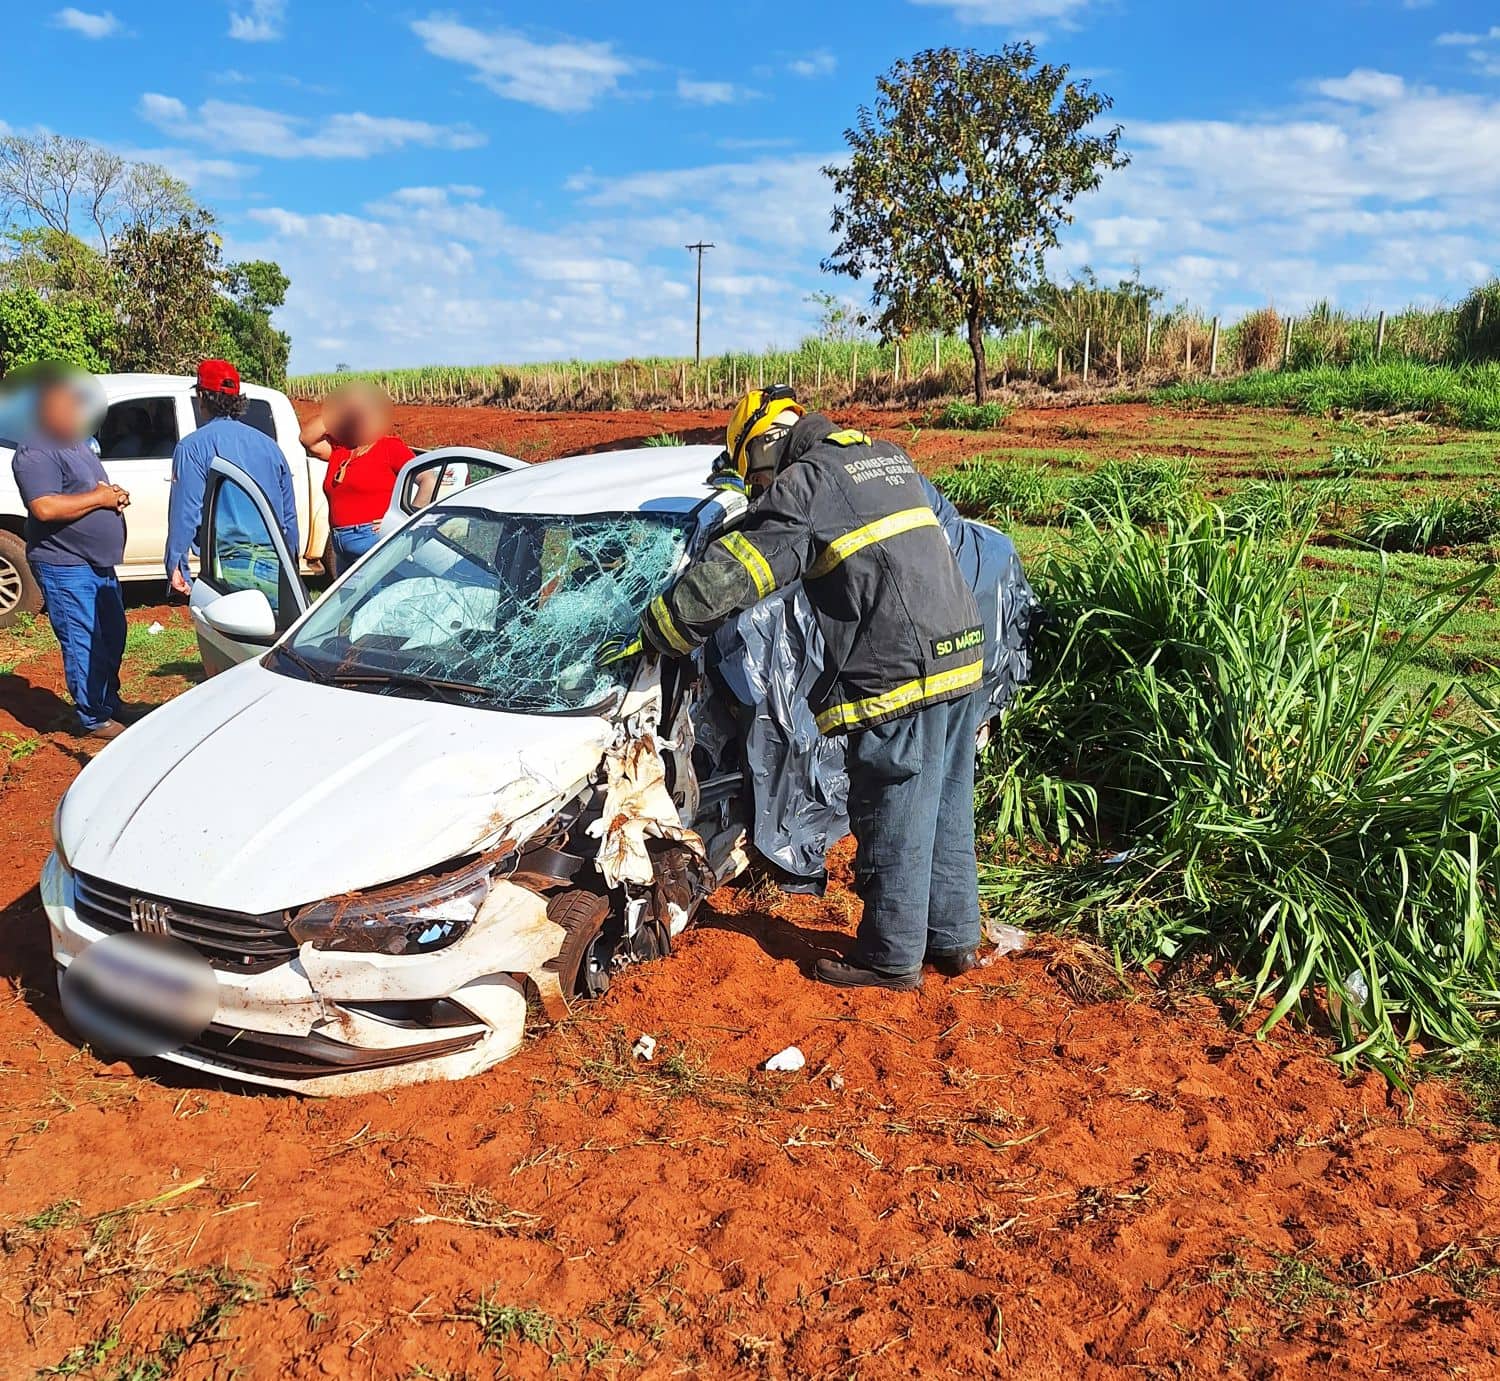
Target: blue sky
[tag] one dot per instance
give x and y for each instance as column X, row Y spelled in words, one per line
column 465, row 183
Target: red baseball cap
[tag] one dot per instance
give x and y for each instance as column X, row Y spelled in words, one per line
column 219, row 376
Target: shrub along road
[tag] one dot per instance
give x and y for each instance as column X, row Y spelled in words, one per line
column 1036, row 1170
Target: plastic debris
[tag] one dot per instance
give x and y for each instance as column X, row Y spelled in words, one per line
column 788, row 1061
column 836, row 1082
column 644, row 1048
column 1359, row 997
column 1007, row 939
column 156, row 628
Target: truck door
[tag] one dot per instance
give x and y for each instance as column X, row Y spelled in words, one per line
column 136, row 439
column 248, row 592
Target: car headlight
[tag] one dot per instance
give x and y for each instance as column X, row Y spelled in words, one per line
column 407, row 918
column 57, row 839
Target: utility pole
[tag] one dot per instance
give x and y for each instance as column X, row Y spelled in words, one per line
column 698, row 315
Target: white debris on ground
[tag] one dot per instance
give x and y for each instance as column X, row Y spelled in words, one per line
column 1006, row 939
column 156, row 628
column 836, row 1082
column 644, row 1048
column 787, row 1061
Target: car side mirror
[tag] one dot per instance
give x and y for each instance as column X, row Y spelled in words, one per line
column 242, row 614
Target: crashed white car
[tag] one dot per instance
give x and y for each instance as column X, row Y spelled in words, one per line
column 426, row 801
column 440, row 795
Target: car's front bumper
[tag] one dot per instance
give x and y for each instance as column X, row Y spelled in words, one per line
column 357, row 1023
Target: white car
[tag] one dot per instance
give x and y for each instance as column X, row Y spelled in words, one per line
column 145, row 417
column 449, row 789
column 406, row 810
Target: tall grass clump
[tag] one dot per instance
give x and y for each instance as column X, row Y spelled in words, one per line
column 1477, row 323
column 1258, row 339
column 1274, row 508
column 1147, row 489
column 1463, row 396
column 1238, row 772
column 974, row 417
column 1002, row 489
column 1441, row 520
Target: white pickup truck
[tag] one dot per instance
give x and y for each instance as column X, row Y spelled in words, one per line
column 147, row 415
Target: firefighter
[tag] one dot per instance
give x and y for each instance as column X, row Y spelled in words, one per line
column 904, row 658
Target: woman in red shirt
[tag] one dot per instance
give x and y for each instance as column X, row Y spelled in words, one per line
column 353, row 434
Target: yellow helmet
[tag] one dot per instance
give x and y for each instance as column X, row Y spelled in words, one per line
column 753, row 416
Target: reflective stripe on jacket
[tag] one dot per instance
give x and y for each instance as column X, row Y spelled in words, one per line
column 851, row 519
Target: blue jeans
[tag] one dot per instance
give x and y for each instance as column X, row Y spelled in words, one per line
column 350, row 543
column 911, row 811
column 88, row 617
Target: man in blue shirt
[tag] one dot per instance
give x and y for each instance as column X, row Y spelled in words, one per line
column 75, row 537
column 223, row 435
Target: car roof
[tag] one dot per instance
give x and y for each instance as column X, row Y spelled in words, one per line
column 124, row 386
column 671, row 479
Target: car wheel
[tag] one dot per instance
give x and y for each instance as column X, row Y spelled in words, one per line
column 582, row 964
column 19, row 592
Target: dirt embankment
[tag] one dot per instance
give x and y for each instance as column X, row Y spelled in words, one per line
column 1026, row 1172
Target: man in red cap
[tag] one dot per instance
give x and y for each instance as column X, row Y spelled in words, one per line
column 222, row 402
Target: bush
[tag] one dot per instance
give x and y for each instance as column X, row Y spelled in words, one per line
column 34, row 329
column 974, row 417
column 1443, row 520
column 1002, row 489
column 1258, row 785
column 1274, row 508
column 1145, row 489
column 1260, row 339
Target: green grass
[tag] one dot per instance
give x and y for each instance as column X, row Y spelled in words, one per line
column 1463, row 395
column 1146, row 489
column 501, row 1324
column 1003, row 490
column 1437, row 520
column 662, row 439
column 961, row 415
column 1236, row 765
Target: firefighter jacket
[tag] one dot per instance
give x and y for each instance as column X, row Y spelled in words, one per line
column 851, row 519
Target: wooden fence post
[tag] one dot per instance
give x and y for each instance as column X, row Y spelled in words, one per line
column 1213, row 349
column 1187, row 367
column 683, row 384
column 1286, row 350
column 854, row 370
column 1150, row 328
column 760, row 372
column 1059, row 364
column 1379, row 335
column 937, row 355
column 1030, row 346
column 1119, row 358
column 1088, row 334
column 819, row 384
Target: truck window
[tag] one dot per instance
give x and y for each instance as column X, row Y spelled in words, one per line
column 139, row 428
column 257, row 414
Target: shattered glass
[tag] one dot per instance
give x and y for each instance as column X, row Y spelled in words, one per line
column 512, row 610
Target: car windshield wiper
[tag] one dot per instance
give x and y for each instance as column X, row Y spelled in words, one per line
column 411, row 682
column 312, row 672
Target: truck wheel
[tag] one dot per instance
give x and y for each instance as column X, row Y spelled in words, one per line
column 19, row 592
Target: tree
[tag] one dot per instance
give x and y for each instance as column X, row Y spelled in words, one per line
column 72, row 186
column 242, row 321
column 168, row 294
column 957, row 183
column 32, row 329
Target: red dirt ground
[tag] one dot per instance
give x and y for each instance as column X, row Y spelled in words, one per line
column 994, row 1176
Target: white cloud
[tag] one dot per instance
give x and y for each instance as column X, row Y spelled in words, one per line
column 1387, row 195
column 428, row 274
column 261, row 21
column 1012, row 14
column 1466, row 40
column 89, row 25
column 1363, row 87
column 816, row 64
column 709, row 93
column 566, row 76
column 234, row 128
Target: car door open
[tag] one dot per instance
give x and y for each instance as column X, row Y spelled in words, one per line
column 439, row 473
column 248, row 591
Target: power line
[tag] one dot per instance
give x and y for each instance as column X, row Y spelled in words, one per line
column 698, row 315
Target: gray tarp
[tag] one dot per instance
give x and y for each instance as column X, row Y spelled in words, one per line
column 769, row 658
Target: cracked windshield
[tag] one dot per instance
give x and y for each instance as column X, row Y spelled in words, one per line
column 517, row 611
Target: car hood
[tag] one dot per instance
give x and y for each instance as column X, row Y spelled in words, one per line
column 256, row 792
